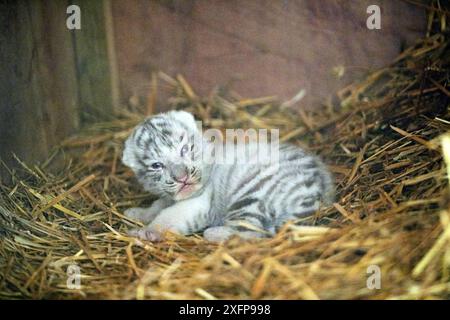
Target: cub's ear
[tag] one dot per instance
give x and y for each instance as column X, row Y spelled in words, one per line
column 184, row 117
column 128, row 155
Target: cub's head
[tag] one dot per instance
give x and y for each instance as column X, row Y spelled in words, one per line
column 165, row 153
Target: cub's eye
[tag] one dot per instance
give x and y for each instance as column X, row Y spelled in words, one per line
column 184, row 150
column 157, row 165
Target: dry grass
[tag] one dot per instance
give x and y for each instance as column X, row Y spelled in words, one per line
column 383, row 144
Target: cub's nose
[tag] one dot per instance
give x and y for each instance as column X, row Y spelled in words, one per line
column 179, row 172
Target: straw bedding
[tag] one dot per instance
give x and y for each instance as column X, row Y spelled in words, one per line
column 382, row 142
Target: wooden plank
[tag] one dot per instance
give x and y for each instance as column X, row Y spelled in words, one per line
column 53, row 79
column 62, row 101
column 259, row 48
column 112, row 56
column 38, row 95
column 93, row 64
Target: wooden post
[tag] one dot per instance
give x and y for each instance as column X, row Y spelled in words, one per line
column 93, row 62
column 52, row 79
column 38, row 87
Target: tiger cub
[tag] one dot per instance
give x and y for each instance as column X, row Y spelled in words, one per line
column 223, row 197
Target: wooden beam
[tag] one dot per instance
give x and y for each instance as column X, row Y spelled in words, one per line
column 38, row 89
column 112, row 56
column 93, row 62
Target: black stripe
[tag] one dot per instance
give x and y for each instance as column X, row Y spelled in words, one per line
column 279, row 179
column 257, row 186
column 306, row 213
column 277, row 182
column 295, row 156
column 272, row 212
column 139, row 160
column 196, row 226
column 189, row 227
column 311, row 179
column 244, row 202
column 263, row 221
column 310, row 165
column 166, row 132
column 308, row 203
column 140, row 137
column 149, row 142
column 295, row 201
column 244, row 181
column 241, row 228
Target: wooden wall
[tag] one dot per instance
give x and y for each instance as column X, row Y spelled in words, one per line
column 52, row 79
column 259, row 47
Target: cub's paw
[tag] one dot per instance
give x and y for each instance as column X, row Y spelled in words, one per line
column 146, row 234
column 144, row 215
column 217, row 234
column 135, row 213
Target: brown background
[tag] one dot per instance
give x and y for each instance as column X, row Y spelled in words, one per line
column 54, row 81
column 258, row 47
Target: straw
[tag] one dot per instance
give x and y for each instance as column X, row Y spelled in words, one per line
column 382, row 143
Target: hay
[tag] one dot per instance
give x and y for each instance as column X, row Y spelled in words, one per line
column 382, row 143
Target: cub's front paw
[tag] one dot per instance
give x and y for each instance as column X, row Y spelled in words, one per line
column 144, row 215
column 217, row 234
column 146, row 234
column 134, row 213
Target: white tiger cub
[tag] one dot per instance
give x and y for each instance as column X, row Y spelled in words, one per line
column 167, row 152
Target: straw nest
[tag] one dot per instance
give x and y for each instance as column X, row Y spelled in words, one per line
column 384, row 143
